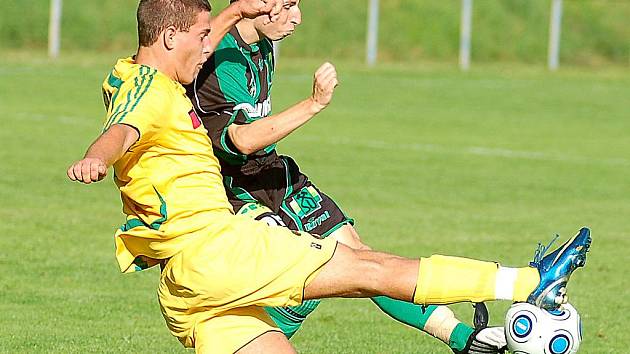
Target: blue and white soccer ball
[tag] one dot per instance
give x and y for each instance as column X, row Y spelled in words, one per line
column 532, row 330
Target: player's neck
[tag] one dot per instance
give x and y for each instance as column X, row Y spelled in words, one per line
column 248, row 32
column 150, row 56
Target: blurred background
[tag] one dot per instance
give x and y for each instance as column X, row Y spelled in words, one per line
column 425, row 157
column 594, row 32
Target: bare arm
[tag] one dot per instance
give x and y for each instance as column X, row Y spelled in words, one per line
column 107, row 149
column 226, row 19
column 249, row 138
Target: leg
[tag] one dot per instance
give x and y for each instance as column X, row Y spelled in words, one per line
column 326, row 218
column 355, row 273
column 269, row 342
column 434, row 280
column 442, row 280
column 439, row 322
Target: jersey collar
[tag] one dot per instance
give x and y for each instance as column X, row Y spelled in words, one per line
column 254, row 47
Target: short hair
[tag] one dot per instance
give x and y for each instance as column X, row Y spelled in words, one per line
column 154, row 16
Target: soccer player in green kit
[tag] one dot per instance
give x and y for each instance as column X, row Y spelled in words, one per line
column 232, row 96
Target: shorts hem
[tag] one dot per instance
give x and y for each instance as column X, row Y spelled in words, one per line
column 258, row 336
column 311, row 276
column 338, row 226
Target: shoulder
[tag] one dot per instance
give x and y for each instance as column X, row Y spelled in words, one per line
column 148, row 83
column 229, row 53
column 145, row 92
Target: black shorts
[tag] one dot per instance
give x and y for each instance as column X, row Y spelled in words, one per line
column 289, row 193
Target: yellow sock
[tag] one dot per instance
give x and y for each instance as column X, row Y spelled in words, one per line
column 446, row 280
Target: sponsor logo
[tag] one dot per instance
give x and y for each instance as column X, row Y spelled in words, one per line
column 314, row 222
column 261, row 109
column 306, row 202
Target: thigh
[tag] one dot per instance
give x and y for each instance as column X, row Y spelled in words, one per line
column 364, row 273
column 241, row 330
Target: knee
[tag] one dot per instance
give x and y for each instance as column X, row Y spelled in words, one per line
column 349, row 237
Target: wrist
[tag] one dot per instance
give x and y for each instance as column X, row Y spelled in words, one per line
column 314, row 106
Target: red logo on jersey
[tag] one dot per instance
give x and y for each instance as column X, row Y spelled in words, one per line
column 196, row 122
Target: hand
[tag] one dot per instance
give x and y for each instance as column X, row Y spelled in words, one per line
column 487, row 340
column 324, row 83
column 88, row 170
column 484, row 340
column 255, row 8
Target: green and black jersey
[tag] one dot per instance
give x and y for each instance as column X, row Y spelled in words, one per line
column 234, row 87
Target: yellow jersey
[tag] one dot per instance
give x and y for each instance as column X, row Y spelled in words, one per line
column 170, row 181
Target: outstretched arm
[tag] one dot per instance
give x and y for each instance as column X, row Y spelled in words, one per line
column 249, row 138
column 107, row 149
column 226, row 19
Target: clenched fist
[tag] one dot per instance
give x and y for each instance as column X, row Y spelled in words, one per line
column 87, row 170
column 324, row 83
column 255, row 8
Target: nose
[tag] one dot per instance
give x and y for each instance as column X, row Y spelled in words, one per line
column 207, row 49
column 296, row 16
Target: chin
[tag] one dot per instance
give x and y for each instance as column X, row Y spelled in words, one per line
column 284, row 35
column 187, row 80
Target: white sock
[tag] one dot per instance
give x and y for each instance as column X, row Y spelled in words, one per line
column 504, row 285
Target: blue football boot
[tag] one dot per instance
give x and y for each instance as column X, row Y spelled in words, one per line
column 556, row 268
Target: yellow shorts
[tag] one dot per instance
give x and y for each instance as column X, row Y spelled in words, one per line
column 211, row 294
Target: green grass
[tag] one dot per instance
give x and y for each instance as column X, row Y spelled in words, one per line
column 427, row 159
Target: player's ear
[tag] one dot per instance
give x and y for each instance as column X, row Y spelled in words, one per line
column 169, row 37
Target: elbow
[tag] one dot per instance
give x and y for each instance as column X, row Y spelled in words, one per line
column 244, row 139
column 243, row 146
column 246, row 149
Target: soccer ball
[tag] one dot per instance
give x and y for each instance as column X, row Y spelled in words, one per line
column 532, row 330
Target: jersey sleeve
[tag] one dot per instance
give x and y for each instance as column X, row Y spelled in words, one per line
column 217, row 126
column 140, row 104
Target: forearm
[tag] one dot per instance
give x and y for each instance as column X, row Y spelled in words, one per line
column 112, row 144
column 106, row 150
column 223, row 22
column 252, row 137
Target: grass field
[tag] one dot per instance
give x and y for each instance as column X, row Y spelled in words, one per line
column 427, row 159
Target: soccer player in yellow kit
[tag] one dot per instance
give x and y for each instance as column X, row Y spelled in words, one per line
column 218, row 269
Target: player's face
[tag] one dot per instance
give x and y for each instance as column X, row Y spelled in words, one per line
column 193, row 48
column 289, row 18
